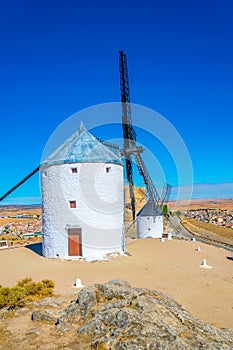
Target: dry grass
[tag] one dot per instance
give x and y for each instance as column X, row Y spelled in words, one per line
column 25, row 291
column 218, row 231
column 19, row 210
column 5, row 221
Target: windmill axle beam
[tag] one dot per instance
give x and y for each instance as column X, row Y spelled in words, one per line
column 132, row 150
column 19, row 183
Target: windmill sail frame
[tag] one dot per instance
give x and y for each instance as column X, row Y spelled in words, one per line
column 131, row 149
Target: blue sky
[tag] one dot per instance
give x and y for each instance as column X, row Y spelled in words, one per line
column 58, row 57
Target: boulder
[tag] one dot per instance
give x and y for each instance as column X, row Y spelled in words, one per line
column 45, row 315
column 87, row 300
column 118, row 316
column 138, row 318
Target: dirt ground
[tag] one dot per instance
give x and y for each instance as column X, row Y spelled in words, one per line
column 171, row 267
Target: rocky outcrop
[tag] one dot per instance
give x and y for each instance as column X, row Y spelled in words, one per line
column 117, row 316
column 46, row 315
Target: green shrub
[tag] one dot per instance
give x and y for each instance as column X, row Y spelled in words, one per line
column 165, row 210
column 25, row 291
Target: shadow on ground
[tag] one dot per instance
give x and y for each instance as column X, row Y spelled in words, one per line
column 36, row 248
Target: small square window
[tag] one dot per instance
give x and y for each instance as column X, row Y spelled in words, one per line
column 72, row 204
column 108, row 169
column 74, row 170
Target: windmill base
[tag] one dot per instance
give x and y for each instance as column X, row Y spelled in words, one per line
column 150, row 226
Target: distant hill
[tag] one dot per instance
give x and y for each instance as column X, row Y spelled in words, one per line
column 140, row 198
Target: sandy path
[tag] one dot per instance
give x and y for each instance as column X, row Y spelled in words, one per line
column 170, row 267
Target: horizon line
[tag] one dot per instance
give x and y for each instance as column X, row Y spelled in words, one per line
column 199, row 191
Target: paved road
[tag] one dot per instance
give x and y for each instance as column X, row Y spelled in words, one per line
column 179, row 229
column 182, row 232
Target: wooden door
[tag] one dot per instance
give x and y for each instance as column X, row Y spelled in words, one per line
column 75, row 242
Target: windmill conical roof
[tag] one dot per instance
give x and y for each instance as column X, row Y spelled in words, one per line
column 82, row 147
column 149, row 210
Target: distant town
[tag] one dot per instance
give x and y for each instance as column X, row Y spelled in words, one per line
column 23, row 225
column 20, row 228
column 219, row 217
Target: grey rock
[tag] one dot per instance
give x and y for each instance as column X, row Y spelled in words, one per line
column 73, row 309
column 46, row 316
column 71, row 314
column 115, row 289
column 118, row 283
column 138, row 318
column 87, row 300
column 94, row 327
column 117, row 316
column 80, row 307
column 49, row 301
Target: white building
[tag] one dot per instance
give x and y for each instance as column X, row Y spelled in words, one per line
column 82, row 199
column 149, row 222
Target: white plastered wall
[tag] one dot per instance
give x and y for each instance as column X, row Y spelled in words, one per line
column 149, row 226
column 99, row 208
